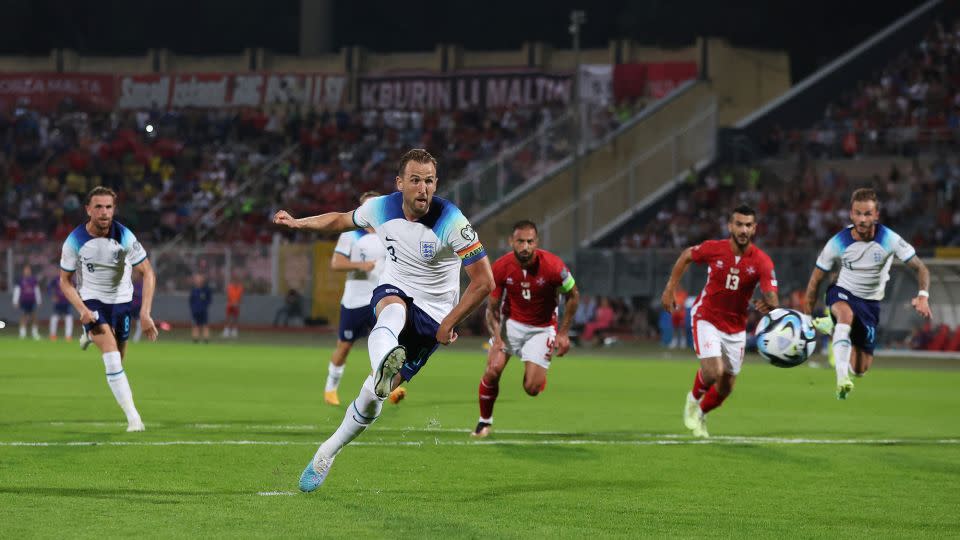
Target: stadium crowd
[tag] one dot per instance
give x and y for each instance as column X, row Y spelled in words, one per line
column 699, row 209
column 170, row 167
column 914, row 101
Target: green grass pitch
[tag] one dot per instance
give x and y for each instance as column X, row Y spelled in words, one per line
column 602, row 452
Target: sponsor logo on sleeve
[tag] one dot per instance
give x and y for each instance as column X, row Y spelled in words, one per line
column 468, row 234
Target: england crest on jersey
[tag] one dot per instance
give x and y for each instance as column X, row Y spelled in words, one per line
column 428, row 250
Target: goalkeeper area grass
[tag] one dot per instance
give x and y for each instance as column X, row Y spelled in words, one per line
column 602, row 452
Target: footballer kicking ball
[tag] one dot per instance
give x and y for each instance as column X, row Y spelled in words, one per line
column 786, row 337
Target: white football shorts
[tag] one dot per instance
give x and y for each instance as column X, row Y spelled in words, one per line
column 711, row 343
column 531, row 343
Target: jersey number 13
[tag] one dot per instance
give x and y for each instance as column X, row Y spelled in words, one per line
column 733, row 282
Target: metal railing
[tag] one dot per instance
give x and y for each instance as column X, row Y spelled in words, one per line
column 203, row 224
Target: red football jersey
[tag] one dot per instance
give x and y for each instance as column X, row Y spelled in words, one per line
column 532, row 292
column 730, row 283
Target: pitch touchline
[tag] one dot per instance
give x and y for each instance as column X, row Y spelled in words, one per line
column 505, row 442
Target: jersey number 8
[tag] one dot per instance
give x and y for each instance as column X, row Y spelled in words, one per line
column 89, row 267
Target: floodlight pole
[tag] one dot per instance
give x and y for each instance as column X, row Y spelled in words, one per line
column 577, row 18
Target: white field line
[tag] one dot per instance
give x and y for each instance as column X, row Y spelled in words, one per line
column 275, row 493
column 314, row 427
column 507, row 442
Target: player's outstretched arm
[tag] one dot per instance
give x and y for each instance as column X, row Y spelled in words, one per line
column 810, row 297
column 149, row 286
column 667, row 299
column 922, row 302
column 331, row 222
column 341, row 263
column 572, row 300
column 481, row 284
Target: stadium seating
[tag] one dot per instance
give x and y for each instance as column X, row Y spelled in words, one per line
column 940, row 339
column 190, row 159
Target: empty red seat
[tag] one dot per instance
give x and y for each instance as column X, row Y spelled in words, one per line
column 954, row 343
column 939, row 341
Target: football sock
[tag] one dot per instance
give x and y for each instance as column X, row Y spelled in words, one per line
column 360, row 414
column 841, row 351
column 386, row 333
column 117, row 379
column 488, row 397
column 334, row 374
column 54, row 321
column 36, row 331
column 23, row 330
column 138, row 333
column 711, row 400
column 699, row 388
column 68, row 326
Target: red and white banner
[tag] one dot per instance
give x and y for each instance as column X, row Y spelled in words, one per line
column 46, row 91
column 93, row 91
column 651, row 79
column 214, row 90
column 464, row 90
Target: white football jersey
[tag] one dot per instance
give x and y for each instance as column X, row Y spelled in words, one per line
column 864, row 266
column 358, row 246
column 424, row 256
column 103, row 264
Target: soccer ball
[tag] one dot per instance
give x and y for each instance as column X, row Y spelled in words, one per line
column 786, row 337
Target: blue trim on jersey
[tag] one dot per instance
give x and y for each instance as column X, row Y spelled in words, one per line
column 824, row 269
column 112, row 374
column 386, row 208
column 116, row 232
column 910, row 257
column 844, row 239
column 79, row 237
column 140, row 261
column 353, row 218
column 67, row 269
column 447, row 218
column 883, row 237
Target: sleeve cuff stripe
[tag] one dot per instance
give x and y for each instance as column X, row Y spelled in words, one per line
column 67, row 269
column 140, row 261
column 912, row 255
column 824, row 269
column 341, row 253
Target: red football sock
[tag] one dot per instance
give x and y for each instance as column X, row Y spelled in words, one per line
column 699, row 388
column 711, row 400
column 488, row 396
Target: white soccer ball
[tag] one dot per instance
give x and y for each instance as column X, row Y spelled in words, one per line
column 786, row 337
